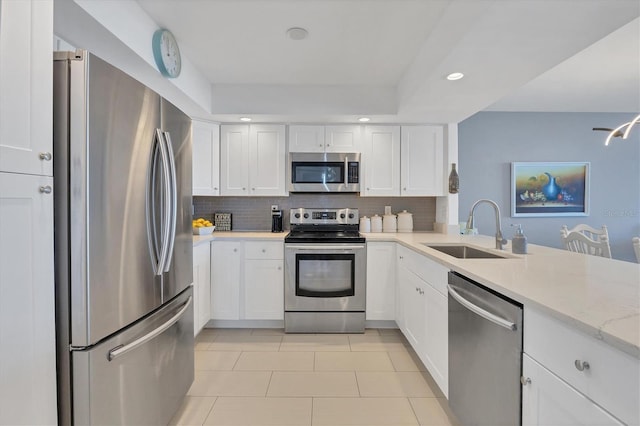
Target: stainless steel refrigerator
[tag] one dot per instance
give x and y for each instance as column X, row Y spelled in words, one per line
column 122, row 183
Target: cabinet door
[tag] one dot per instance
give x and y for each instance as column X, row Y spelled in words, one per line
column 411, row 289
column 267, row 160
column 436, row 340
column 264, row 289
column 381, row 281
column 234, row 160
column 206, row 158
column 548, row 400
column 342, row 138
column 226, row 258
column 201, row 286
column 421, row 169
column 26, row 81
column 306, row 138
column 27, row 300
column 381, row 161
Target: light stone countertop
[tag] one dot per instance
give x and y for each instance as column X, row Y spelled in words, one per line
column 600, row 297
column 239, row 235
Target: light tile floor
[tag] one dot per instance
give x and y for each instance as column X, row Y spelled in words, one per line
column 256, row 377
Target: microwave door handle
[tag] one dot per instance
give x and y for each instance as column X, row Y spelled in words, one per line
column 346, row 170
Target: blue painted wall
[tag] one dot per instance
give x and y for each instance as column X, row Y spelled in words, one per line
column 490, row 141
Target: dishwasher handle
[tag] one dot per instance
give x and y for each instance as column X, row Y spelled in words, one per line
column 481, row 312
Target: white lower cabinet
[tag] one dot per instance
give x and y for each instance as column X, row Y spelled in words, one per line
column 27, row 300
column 201, row 286
column 263, row 289
column 422, row 311
column 582, row 380
column 226, row 262
column 548, row 400
column 247, row 280
column 381, row 281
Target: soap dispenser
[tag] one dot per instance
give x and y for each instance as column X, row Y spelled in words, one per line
column 519, row 241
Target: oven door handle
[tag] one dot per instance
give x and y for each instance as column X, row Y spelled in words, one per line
column 323, row 247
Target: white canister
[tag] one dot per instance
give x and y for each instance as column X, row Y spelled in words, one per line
column 405, row 221
column 376, row 223
column 389, row 223
column 365, row 224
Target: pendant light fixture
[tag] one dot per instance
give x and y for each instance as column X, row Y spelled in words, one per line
column 621, row 131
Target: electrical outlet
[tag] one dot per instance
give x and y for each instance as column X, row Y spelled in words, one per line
column 274, row 207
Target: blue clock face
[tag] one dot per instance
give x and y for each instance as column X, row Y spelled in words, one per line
column 166, row 53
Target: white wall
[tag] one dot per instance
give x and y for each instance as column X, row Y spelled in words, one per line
column 490, row 141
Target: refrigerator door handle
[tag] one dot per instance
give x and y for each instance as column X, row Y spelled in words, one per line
column 123, row 349
column 173, row 201
column 481, row 312
column 166, row 198
column 153, row 234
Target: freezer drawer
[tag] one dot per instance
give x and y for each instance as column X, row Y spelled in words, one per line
column 143, row 385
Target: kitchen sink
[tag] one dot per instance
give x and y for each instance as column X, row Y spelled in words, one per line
column 461, row 251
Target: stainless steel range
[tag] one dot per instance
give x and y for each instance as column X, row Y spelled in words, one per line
column 325, row 267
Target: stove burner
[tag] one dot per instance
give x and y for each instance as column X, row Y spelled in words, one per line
column 324, row 226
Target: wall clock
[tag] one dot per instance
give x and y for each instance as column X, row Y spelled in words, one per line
column 166, row 53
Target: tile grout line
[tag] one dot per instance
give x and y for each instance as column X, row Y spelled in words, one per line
column 210, row 410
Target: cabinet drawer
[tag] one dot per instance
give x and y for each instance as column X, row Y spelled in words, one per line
column 428, row 270
column 611, row 380
column 263, row 250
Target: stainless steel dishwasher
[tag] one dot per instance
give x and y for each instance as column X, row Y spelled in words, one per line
column 485, row 354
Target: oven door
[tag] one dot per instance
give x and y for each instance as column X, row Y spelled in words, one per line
column 325, row 277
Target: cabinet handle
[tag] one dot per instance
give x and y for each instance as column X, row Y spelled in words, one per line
column 45, row 156
column 45, row 189
column 244, row 189
column 581, row 365
column 215, row 189
column 253, row 189
column 264, row 251
column 525, row 381
column 279, row 268
column 367, row 189
column 404, row 189
column 319, row 144
column 401, row 257
column 328, row 144
column 235, row 250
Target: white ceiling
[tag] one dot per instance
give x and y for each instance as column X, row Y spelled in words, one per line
column 387, row 59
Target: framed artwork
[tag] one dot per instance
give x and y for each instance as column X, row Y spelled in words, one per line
column 549, row 189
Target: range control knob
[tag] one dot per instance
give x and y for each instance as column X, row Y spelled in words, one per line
column 306, row 215
column 341, row 215
column 350, row 215
column 297, row 215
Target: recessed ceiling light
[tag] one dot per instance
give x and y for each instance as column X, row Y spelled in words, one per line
column 364, row 119
column 245, row 119
column 297, row 33
column 455, row 76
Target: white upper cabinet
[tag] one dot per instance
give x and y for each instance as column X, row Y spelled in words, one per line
column 342, row 138
column 337, row 138
column 234, row 159
column 26, row 80
column 252, row 160
column 206, row 158
column 306, row 138
column 422, row 169
column 381, row 161
column 267, row 159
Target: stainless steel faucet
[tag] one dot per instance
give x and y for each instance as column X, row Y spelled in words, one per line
column 500, row 241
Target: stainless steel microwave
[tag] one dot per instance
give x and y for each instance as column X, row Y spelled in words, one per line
column 323, row 172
